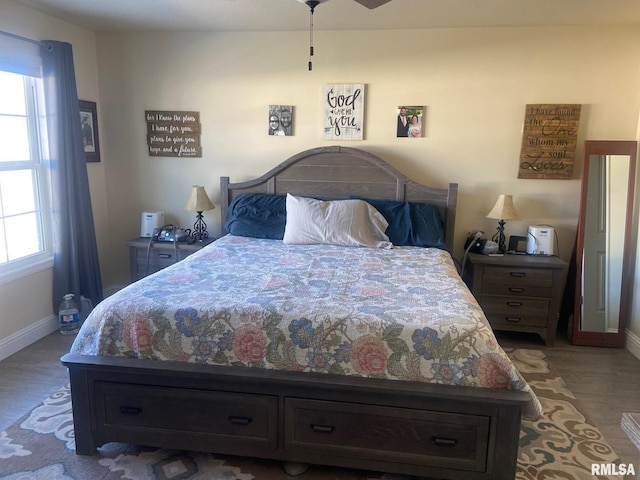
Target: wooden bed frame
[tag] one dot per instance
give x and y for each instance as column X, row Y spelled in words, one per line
column 385, row 425
column 343, row 172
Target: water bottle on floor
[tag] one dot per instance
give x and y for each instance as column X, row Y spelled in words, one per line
column 69, row 316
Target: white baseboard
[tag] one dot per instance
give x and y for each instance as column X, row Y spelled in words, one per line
column 632, row 343
column 36, row 331
column 27, row 336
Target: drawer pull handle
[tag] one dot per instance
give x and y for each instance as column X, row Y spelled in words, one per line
column 125, row 410
column 322, row 428
column 164, row 255
column 444, row 442
column 516, row 289
column 513, row 319
column 514, row 304
column 240, row 420
column 518, row 274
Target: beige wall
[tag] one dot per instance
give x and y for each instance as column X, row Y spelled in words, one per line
column 28, row 300
column 475, row 84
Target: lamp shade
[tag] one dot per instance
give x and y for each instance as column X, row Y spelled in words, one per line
column 503, row 209
column 198, row 201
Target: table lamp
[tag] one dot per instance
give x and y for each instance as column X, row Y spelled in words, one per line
column 502, row 210
column 199, row 202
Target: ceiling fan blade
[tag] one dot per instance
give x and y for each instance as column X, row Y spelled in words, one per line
column 372, row 3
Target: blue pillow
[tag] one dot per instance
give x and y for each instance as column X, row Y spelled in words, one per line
column 411, row 223
column 258, row 215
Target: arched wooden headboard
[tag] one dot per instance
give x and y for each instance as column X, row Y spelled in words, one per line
column 341, row 172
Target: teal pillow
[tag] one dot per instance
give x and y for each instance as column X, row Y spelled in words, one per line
column 411, row 223
column 258, row 215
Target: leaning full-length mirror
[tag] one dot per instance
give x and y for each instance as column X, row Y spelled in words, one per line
column 603, row 243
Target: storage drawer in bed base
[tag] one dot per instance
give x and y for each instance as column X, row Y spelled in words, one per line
column 218, row 417
column 419, row 437
column 456, row 433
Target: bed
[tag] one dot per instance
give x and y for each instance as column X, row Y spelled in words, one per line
column 306, row 351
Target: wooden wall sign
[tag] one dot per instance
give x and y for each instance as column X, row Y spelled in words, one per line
column 173, row 134
column 343, row 111
column 549, row 141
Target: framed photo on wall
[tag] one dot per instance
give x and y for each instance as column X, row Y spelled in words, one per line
column 89, row 127
column 410, row 121
column 281, row 120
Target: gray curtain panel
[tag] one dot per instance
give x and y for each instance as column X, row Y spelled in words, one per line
column 75, row 266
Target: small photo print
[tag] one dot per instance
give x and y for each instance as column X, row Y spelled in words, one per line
column 410, row 122
column 86, row 123
column 281, row 120
column 89, row 129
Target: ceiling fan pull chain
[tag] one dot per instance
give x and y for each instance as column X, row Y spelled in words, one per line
column 311, row 8
column 312, row 4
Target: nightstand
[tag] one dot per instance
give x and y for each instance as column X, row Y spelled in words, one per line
column 518, row 292
column 161, row 255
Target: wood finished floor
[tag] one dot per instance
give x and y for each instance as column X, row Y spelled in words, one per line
column 605, row 381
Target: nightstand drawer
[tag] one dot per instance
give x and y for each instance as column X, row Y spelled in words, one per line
column 520, row 289
column 517, row 276
column 503, row 310
column 158, row 254
column 160, row 258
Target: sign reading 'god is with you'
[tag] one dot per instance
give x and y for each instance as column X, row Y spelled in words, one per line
column 549, row 141
column 173, row 134
column 343, row 111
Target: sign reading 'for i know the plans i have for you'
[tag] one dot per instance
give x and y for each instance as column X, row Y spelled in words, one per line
column 173, row 133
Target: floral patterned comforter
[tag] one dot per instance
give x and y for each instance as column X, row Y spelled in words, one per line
column 401, row 313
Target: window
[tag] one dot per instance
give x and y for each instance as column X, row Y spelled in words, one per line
column 24, row 216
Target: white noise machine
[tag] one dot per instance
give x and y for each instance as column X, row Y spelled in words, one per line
column 149, row 221
column 540, row 240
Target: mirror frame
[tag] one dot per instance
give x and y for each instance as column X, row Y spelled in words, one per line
column 604, row 339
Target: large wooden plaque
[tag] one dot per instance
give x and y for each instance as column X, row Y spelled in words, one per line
column 549, row 141
column 173, row 133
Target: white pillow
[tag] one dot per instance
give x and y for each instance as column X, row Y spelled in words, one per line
column 351, row 223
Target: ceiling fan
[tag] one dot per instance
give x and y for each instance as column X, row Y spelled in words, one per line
column 371, row 4
column 312, row 4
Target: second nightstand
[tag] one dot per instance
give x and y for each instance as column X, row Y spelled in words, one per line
column 161, row 255
column 518, row 292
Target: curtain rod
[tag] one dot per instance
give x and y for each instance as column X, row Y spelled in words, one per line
column 18, row 37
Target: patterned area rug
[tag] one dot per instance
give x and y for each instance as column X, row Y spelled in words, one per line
column 562, row 445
